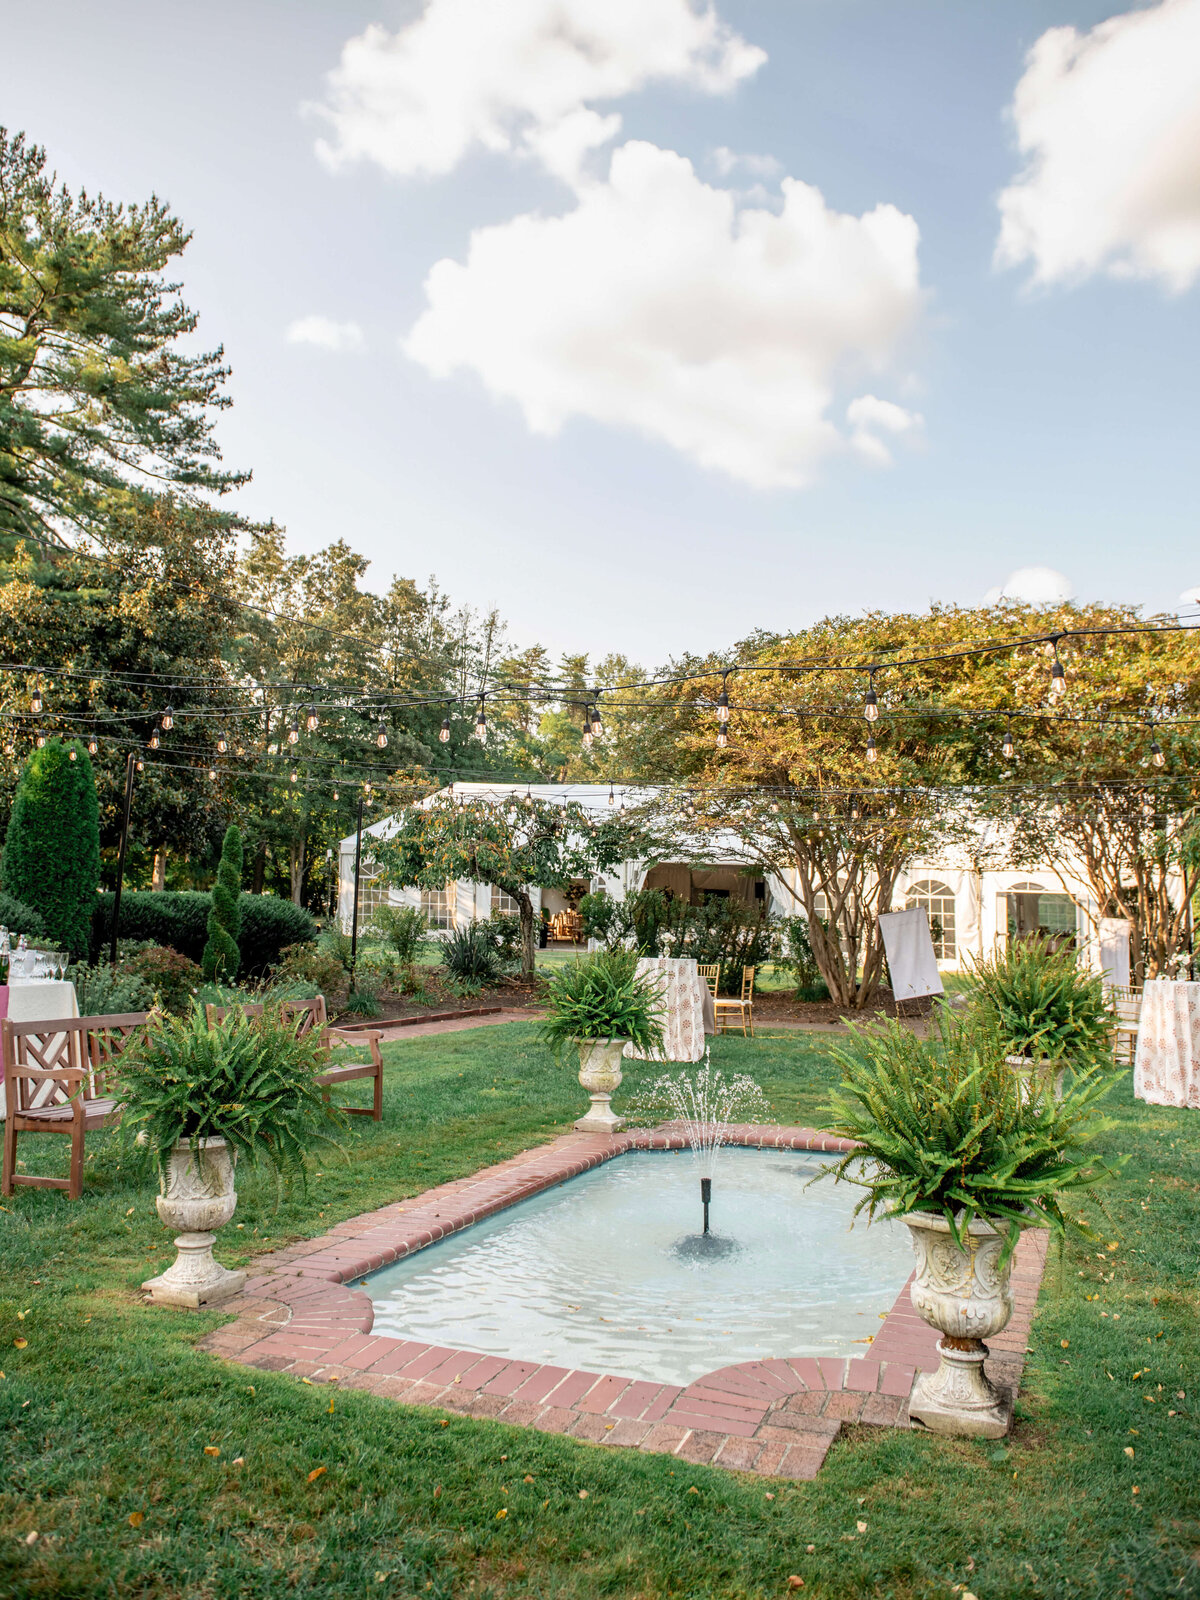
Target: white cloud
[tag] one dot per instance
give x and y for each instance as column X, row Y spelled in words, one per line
column 656, row 304
column 1035, row 586
column 869, row 416
column 326, row 333
column 516, row 75
column 1191, row 596
column 1109, row 122
column 726, row 161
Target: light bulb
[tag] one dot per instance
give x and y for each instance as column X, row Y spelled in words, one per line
column 154, row 740
column 597, row 725
column 35, row 701
column 611, row 796
column 1007, row 747
column 872, row 753
column 292, row 776
column 871, row 705
column 212, row 772
column 294, row 732
column 1058, row 680
column 1156, row 754
column 71, row 755
column 481, row 726
column 141, row 765
column 168, row 719
column 336, row 795
column 222, row 744
column 444, row 732
column 587, row 737
column 93, row 746
column 41, row 741
column 381, row 735
column 722, row 737
column 312, row 721
column 723, row 705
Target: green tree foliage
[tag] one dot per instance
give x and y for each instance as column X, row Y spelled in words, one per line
column 98, row 404
column 514, row 842
column 222, row 957
column 52, row 848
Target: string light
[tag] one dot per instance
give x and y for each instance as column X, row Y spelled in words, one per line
column 872, row 753
column 93, row 745
column 1007, row 748
column 481, row 727
column 611, row 796
column 722, row 736
column 222, row 744
column 71, row 754
column 212, row 772
column 1156, row 754
column 597, row 724
column 141, row 765
column 587, row 732
column 444, row 732
column 871, row 702
column 35, row 699
column 312, row 721
column 381, row 737
column 294, row 731
column 723, row 700
column 1058, row 678
column 168, row 719
column 154, row 740
column 293, row 776
column 40, row 741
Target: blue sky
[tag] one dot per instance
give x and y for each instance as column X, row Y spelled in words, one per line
column 1042, row 413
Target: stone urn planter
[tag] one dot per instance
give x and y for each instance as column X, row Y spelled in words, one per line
column 966, row 1296
column 600, row 1075
column 196, row 1198
column 1029, row 1071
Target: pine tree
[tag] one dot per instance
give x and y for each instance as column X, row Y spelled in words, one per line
column 52, row 848
column 222, row 957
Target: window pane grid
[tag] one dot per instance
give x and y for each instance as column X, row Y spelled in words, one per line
column 937, row 901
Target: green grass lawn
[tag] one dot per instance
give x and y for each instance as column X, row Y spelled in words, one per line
column 108, row 1410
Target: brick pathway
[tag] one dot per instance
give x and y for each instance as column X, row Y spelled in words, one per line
column 301, row 1313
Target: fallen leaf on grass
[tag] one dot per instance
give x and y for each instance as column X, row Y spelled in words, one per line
column 583, row 1494
column 1065, row 1343
column 693, row 1490
column 212, row 1450
column 810, row 1548
column 136, row 1518
column 444, row 1423
column 20, row 1343
column 528, row 1478
column 239, row 1461
column 437, row 1493
column 316, row 1473
column 795, row 1583
column 501, row 1514
column 32, row 1536
column 1136, row 1490
column 861, row 1526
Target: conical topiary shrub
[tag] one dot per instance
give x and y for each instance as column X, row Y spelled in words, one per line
column 52, row 848
column 222, row 958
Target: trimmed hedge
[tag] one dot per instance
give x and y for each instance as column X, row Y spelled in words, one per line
column 178, row 919
column 19, row 918
column 52, row 848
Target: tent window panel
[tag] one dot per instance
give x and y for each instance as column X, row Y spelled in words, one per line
column 937, row 901
column 437, row 906
column 371, row 892
column 504, row 904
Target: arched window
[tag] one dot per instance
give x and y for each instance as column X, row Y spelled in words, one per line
column 937, row 901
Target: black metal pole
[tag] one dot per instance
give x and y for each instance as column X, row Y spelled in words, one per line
column 116, row 922
column 354, row 912
column 705, row 1197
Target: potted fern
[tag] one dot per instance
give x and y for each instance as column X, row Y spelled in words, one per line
column 1050, row 1012
column 598, row 1005
column 200, row 1096
column 951, row 1142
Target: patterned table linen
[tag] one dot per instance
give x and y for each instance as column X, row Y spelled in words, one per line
column 1166, row 1070
column 688, row 1005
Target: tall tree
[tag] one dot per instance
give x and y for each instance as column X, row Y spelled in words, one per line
column 52, row 848
column 99, row 404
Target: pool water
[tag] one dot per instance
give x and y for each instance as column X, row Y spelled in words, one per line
column 602, row 1272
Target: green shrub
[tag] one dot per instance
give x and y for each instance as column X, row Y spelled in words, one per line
column 309, row 964
column 52, row 848
column 251, row 1082
column 722, row 930
column 171, row 978
column 179, row 918
column 221, row 957
column 403, row 928
column 943, row 1125
column 504, row 930
column 470, row 955
column 1044, row 1005
column 602, row 997
column 333, row 942
column 107, row 991
column 361, row 1003
column 19, row 918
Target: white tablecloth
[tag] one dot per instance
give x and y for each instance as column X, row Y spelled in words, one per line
column 41, row 1001
column 1166, row 1069
column 688, row 1006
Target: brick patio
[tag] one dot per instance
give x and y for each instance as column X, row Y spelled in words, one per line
column 301, row 1313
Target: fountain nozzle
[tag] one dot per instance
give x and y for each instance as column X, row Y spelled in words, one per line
column 705, row 1198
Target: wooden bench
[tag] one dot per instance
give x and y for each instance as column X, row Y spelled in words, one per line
column 308, row 1015
column 54, row 1083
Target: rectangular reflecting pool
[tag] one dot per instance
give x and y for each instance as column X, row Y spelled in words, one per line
column 605, row 1272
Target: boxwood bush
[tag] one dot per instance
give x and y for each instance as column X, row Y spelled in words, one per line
column 19, row 918
column 179, row 920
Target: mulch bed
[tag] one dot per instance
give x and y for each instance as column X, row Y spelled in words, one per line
column 781, row 1006
column 510, row 993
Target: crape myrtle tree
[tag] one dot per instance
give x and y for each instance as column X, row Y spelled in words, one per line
column 1084, row 791
column 514, row 842
column 98, row 404
column 52, row 849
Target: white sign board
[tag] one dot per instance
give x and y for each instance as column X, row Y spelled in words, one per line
column 909, row 946
column 1114, row 950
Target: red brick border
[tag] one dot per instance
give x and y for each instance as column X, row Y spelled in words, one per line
column 299, row 1314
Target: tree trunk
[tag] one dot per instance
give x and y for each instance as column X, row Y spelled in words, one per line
column 296, row 868
column 260, row 870
column 528, row 958
column 158, row 877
